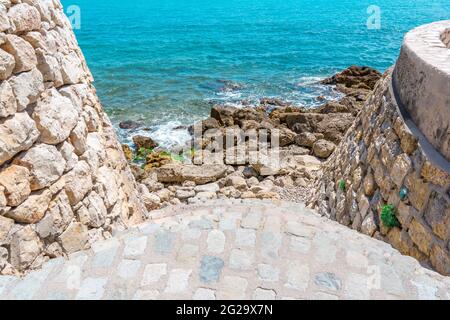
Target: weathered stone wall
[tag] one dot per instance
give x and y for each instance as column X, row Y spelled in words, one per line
column 422, row 80
column 64, row 181
column 380, row 162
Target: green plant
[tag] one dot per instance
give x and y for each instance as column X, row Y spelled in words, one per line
column 388, row 216
column 342, row 185
column 142, row 154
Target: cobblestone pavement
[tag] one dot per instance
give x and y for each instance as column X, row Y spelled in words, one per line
column 233, row 250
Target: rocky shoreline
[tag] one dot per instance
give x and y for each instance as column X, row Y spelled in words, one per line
column 307, row 137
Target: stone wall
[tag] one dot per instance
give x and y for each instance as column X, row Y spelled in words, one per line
column 64, row 181
column 381, row 164
column 422, row 81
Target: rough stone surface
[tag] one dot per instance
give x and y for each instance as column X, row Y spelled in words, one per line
column 45, row 163
column 375, row 166
column 16, row 183
column 64, row 181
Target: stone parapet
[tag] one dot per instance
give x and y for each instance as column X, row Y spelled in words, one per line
column 422, row 80
column 64, row 181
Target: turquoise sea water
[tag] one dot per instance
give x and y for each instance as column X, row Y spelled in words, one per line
column 165, row 62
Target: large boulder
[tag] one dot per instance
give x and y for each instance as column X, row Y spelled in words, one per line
column 176, row 173
column 144, row 142
column 323, row 148
column 334, row 126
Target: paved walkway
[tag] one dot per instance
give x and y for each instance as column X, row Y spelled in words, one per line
column 233, row 250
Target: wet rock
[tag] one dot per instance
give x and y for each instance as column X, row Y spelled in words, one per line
column 144, row 142
column 129, row 125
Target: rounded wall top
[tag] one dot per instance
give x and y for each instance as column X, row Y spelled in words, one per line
column 430, row 43
column 422, row 82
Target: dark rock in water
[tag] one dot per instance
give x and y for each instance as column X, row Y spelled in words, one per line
column 230, row 86
column 144, row 142
column 129, row 125
column 223, row 114
column 321, row 98
column 355, row 77
column 181, row 128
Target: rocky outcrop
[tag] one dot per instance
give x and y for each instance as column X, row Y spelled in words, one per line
column 64, row 180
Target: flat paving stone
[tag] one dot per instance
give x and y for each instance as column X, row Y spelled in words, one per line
column 233, row 249
column 210, row 269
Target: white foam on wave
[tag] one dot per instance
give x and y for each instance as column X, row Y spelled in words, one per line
column 309, row 80
column 168, row 135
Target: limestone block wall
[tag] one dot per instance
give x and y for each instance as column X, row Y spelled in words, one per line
column 380, row 162
column 385, row 163
column 64, row 181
